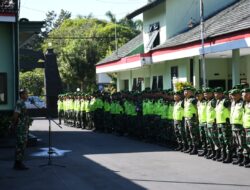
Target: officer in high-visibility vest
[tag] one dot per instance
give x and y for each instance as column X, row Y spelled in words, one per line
column 201, row 107
column 246, row 125
column 178, row 116
column 191, row 120
column 214, row 149
column 60, row 108
column 223, row 124
column 236, row 120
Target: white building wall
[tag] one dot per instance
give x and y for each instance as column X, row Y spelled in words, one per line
column 157, row 14
column 175, row 15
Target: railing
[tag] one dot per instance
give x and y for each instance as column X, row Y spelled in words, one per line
column 8, row 6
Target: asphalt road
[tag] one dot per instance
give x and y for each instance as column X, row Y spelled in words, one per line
column 104, row 161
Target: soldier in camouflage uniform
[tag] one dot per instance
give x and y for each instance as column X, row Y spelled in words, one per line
column 22, row 122
column 246, row 125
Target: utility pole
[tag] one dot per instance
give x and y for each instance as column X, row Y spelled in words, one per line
column 202, row 44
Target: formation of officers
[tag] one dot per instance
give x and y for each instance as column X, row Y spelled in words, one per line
column 215, row 122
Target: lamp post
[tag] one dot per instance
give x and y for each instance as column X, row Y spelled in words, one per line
column 202, row 44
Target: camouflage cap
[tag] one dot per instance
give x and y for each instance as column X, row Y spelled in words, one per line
column 190, row 88
column 246, row 90
column 199, row 92
column 234, row 91
column 179, row 93
column 208, row 89
column 219, row 90
column 238, row 86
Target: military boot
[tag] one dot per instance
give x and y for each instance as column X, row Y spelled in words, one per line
column 208, row 154
column 189, row 149
column 228, row 159
column 194, row 151
column 217, row 155
column 179, row 148
column 244, row 162
column 222, row 158
column 212, row 154
column 238, row 160
column 203, row 152
column 19, row 166
column 184, row 148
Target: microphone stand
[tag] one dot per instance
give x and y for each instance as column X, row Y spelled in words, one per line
column 50, row 149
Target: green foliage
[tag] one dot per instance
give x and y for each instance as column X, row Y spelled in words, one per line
column 181, row 85
column 33, row 81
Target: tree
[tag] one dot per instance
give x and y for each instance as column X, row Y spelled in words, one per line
column 33, row 81
column 80, row 43
column 51, row 22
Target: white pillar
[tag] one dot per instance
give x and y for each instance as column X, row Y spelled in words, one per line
column 236, row 67
column 196, row 78
column 248, row 68
column 130, row 80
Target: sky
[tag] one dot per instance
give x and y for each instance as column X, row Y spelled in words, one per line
column 35, row 10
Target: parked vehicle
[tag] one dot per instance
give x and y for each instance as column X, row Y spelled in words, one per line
column 34, row 102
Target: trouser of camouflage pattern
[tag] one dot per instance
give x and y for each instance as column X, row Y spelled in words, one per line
column 66, row 117
column 131, row 127
column 60, row 116
column 162, row 138
column 83, row 119
column 170, row 132
column 117, row 123
column 246, row 152
column 146, row 126
column 98, row 119
column 77, row 121
column 154, row 129
column 139, row 126
column 180, row 133
column 89, row 120
column 225, row 138
column 239, row 138
column 203, row 135
column 107, row 122
column 21, row 142
column 213, row 137
column 192, row 132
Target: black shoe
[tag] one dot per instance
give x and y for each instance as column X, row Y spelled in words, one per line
column 188, row 150
column 208, row 154
column 228, row 159
column 238, row 160
column 19, row 166
column 247, row 165
column 203, row 153
column 222, row 158
column 194, row 151
column 244, row 162
column 217, row 155
column 184, row 149
column 178, row 148
column 212, row 155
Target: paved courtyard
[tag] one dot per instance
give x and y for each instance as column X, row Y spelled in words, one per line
column 104, row 161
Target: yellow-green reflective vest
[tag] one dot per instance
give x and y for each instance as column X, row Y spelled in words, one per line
column 237, row 110
column 222, row 113
column 211, row 114
column 178, row 111
column 82, row 108
column 202, row 114
column 164, row 110
column 246, row 116
column 158, row 107
column 87, row 106
column 59, row 105
column 189, row 108
column 170, row 110
column 106, row 106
